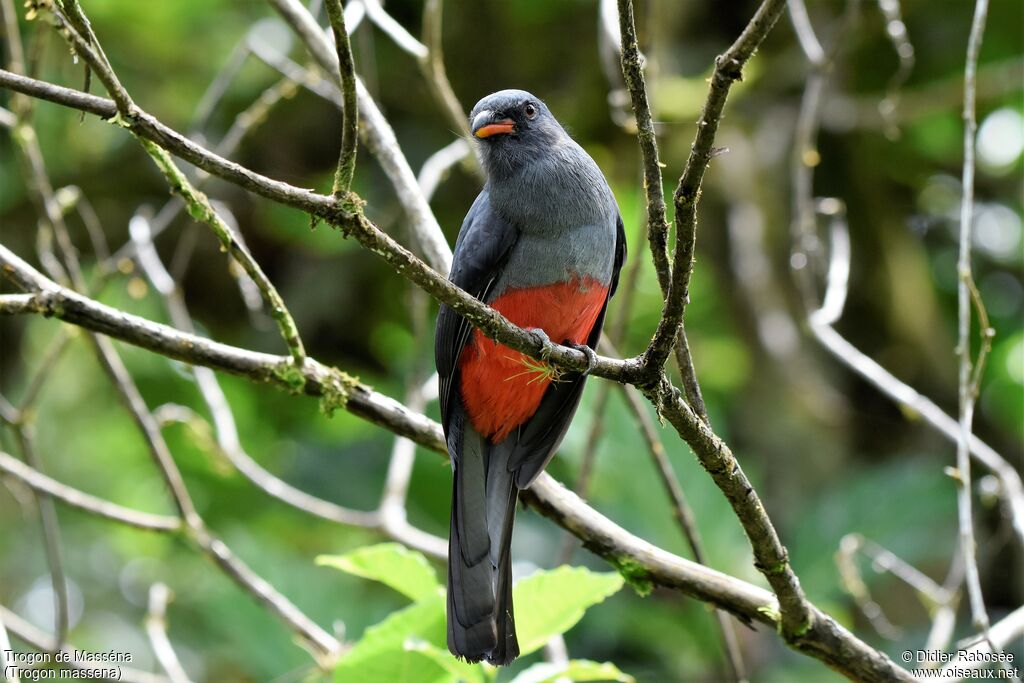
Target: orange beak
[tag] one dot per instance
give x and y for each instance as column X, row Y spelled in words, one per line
column 501, row 127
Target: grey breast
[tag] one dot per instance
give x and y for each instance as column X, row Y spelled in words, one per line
column 566, row 214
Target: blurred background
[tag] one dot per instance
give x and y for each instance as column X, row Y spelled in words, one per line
column 828, row 453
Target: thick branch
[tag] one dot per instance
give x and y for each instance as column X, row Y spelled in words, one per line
column 770, row 555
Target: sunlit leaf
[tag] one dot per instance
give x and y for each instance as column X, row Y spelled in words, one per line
column 380, row 656
column 463, row 671
column 394, row 565
column 551, row 602
column 573, row 670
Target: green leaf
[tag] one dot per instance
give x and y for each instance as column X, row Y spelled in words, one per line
column 463, row 671
column 574, row 670
column 551, row 602
column 394, row 565
column 380, row 656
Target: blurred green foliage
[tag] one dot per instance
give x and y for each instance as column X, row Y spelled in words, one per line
column 828, row 453
column 409, row 645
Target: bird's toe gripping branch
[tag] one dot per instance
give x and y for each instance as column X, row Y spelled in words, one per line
column 588, row 352
column 544, row 340
column 547, row 346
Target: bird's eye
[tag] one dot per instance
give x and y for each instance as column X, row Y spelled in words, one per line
column 530, row 110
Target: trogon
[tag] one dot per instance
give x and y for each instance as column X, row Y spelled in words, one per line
column 543, row 244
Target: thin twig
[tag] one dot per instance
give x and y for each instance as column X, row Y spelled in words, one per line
column 934, row 596
column 822, row 318
column 439, row 163
column 10, row 672
column 37, row 481
column 350, row 125
column 218, row 87
column 94, row 58
column 805, row 33
column 51, row 355
column 728, row 70
column 944, row 616
column 385, row 22
column 632, row 70
column 25, row 435
column 657, row 225
column 381, row 141
column 200, row 209
column 156, row 629
column 896, row 31
column 1000, row 635
column 44, row 642
column 968, row 391
column 378, row 137
column 432, row 65
column 1011, row 489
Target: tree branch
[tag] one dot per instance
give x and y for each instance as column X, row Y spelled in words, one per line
column 632, row 71
column 156, row 629
column 657, row 225
column 432, row 65
column 637, row 559
column 44, row 642
column 770, row 556
column 347, row 216
column 968, row 389
column 38, row 481
column 200, row 209
column 728, row 70
column 350, row 127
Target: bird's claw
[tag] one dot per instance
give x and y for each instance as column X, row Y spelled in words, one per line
column 544, row 340
column 588, row 352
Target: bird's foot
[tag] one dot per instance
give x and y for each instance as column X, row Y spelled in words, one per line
column 544, row 340
column 588, row 352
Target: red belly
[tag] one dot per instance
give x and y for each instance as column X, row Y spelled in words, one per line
column 502, row 388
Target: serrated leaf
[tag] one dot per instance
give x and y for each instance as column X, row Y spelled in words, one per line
column 551, row 602
column 394, row 565
column 463, row 671
column 573, row 670
column 380, row 655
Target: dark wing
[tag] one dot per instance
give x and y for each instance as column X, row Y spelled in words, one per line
column 539, row 436
column 481, row 251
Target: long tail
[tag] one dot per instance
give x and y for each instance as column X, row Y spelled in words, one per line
column 481, row 624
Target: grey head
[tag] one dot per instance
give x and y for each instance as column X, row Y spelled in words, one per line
column 512, row 127
column 537, row 175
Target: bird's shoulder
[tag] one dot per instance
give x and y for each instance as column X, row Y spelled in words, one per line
column 484, row 241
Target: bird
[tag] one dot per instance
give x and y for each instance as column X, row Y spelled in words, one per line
column 543, row 244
